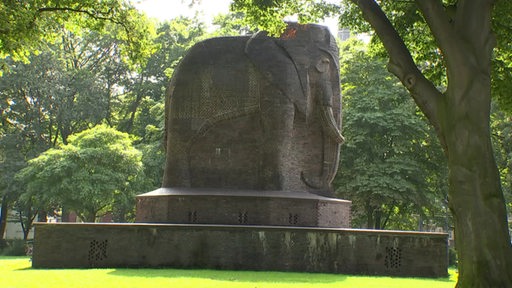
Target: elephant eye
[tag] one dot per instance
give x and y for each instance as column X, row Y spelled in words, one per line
column 323, row 65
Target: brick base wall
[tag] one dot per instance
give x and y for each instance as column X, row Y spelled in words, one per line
column 325, row 250
column 238, row 207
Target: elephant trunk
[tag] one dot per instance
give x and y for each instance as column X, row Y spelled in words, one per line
column 330, row 125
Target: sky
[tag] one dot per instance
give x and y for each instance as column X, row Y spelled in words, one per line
column 168, row 9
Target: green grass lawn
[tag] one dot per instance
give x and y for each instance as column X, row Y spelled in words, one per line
column 17, row 272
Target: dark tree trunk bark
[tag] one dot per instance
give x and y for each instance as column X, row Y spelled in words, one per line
column 475, row 194
column 3, row 218
column 42, row 216
column 369, row 215
column 26, row 226
column 378, row 219
column 461, row 118
column 91, row 217
column 65, row 215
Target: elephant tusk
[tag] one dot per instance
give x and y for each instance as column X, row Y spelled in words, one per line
column 330, row 125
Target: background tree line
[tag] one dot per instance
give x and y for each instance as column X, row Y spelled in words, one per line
column 75, row 83
column 84, row 84
column 391, row 166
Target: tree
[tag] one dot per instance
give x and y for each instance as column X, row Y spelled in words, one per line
column 460, row 115
column 78, row 81
column 386, row 164
column 65, row 89
column 26, row 25
column 70, row 86
column 19, row 141
column 88, row 175
column 11, row 161
column 231, row 24
column 502, row 139
column 173, row 39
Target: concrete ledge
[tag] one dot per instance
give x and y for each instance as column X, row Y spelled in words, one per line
column 326, row 250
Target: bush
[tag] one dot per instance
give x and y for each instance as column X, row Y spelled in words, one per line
column 14, row 248
column 452, row 257
column 3, row 244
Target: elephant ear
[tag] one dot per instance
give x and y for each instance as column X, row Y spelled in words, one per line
column 304, row 42
column 276, row 65
column 298, row 49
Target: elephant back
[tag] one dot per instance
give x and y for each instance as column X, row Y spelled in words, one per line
column 213, row 82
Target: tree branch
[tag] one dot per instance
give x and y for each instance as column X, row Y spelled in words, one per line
column 440, row 25
column 401, row 64
column 473, row 22
column 91, row 13
column 108, row 15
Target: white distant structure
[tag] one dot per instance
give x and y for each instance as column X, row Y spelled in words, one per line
column 343, row 34
column 13, row 228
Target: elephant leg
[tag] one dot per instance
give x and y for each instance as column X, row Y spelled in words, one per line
column 277, row 115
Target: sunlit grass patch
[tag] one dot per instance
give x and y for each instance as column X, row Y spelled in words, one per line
column 16, row 272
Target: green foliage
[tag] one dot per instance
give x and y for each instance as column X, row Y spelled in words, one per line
column 174, row 38
column 268, row 15
column 501, row 126
column 387, row 164
column 151, row 117
column 15, row 247
column 75, row 82
column 232, row 24
column 411, row 26
column 25, row 26
column 66, row 88
column 502, row 61
column 87, row 175
column 452, row 257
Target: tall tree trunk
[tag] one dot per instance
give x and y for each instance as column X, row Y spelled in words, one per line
column 369, row 215
column 475, row 194
column 461, row 118
column 378, row 219
column 65, row 215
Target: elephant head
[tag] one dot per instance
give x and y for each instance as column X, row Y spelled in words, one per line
column 314, row 88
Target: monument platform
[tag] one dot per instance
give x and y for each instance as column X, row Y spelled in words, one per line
column 238, row 247
column 242, row 207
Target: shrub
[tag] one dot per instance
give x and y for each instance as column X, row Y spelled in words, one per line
column 452, row 257
column 14, row 248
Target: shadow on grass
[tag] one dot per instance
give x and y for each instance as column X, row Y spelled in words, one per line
column 254, row 276
column 235, row 276
column 25, row 269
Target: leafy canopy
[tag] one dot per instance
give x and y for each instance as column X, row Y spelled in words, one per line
column 26, row 25
column 266, row 14
column 87, row 175
column 386, row 161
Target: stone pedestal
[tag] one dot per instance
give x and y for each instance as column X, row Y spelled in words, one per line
column 242, row 207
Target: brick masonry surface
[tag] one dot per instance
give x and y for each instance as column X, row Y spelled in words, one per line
column 348, row 251
column 246, row 207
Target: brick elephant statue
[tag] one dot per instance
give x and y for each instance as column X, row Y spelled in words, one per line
column 256, row 113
